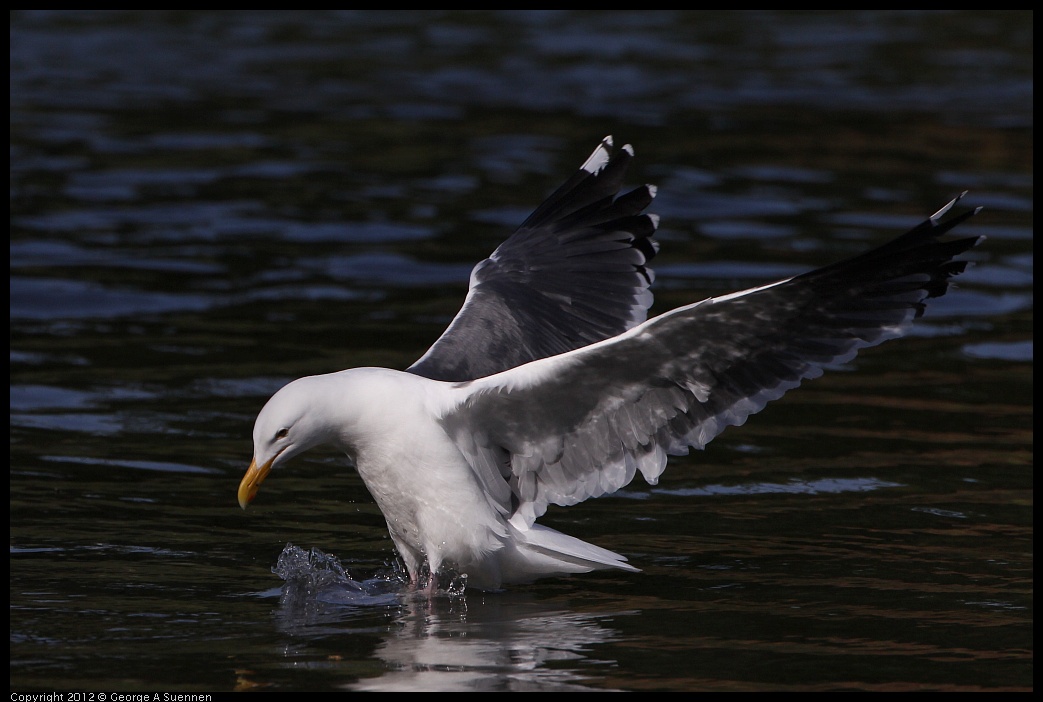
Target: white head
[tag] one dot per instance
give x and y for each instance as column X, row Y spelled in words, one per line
column 291, row 422
column 348, row 409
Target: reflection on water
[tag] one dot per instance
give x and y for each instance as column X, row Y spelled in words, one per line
column 809, row 487
column 442, row 642
column 515, row 645
column 205, row 206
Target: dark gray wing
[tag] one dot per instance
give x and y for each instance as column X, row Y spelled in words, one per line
column 564, row 429
column 575, row 272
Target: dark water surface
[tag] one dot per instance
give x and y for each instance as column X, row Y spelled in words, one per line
column 205, row 206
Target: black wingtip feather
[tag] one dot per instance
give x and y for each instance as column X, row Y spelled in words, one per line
column 918, row 250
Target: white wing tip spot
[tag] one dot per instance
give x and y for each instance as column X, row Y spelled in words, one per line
column 940, row 213
column 599, row 158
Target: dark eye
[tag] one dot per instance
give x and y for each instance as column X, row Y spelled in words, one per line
column 281, row 434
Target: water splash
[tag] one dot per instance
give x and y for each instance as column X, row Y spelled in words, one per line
column 320, row 577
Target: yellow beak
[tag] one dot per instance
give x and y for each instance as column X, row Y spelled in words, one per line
column 255, row 475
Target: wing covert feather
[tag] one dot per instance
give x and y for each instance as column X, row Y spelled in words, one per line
column 584, row 423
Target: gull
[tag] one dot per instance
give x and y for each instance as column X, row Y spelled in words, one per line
column 551, row 386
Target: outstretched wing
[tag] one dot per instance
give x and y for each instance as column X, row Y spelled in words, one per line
column 574, row 273
column 564, row 429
